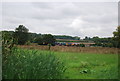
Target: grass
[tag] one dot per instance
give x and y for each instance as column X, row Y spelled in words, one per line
column 30, row 64
column 89, row 66
column 78, row 65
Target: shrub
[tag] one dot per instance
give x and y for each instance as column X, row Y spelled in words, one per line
column 82, row 45
column 28, row 43
column 7, row 42
column 24, row 64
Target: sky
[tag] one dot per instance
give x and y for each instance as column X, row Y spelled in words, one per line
column 62, row 18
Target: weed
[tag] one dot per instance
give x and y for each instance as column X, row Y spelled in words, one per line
column 24, row 64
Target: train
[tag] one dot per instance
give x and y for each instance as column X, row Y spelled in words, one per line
column 74, row 44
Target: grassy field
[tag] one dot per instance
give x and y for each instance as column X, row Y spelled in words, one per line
column 88, row 65
column 78, row 65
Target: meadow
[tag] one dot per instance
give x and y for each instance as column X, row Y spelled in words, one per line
column 30, row 64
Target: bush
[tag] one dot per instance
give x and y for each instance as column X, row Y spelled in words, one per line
column 39, row 40
column 82, row 45
column 7, row 42
column 24, row 64
column 28, row 43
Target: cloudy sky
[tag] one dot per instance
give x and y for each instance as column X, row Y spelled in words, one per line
column 62, row 18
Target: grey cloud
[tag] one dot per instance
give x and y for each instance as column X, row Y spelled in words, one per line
column 82, row 19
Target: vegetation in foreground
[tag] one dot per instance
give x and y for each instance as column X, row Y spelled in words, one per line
column 23, row 64
column 37, row 64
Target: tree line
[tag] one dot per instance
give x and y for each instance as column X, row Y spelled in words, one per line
column 103, row 42
column 22, row 36
column 107, row 42
column 66, row 37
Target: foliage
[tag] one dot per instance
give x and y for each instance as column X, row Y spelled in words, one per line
column 87, row 38
column 24, row 64
column 66, row 37
column 33, row 37
column 7, row 45
column 82, row 45
column 28, row 43
column 48, row 39
column 39, row 40
column 45, row 39
column 21, row 34
column 117, row 36
column 7, row 42
column 103, row 42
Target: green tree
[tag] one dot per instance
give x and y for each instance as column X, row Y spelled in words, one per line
column 117, row 36
column 87, row 38
column 21, row 35
column 82, row 45
column 48, row 39
column 33, row 37
column 39, row 40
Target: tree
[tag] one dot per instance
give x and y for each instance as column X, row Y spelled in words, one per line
column 76, row 38
column 39, row 40
column 117, row 36
column 21, row 35
column 87, row 38
column 48, row 39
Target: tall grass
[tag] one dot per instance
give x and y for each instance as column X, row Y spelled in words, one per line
column 30, row 64
column 99, row 50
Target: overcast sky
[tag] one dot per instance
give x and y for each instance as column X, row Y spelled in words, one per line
column 62, row 18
